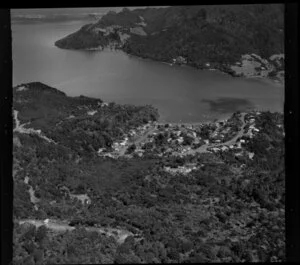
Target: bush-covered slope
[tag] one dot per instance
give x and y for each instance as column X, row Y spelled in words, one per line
column 230, row 209
column 218, row 35
column 80, row 123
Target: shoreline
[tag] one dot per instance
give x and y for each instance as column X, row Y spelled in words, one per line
column 185, row 65
column 214, row 120
column 257, row 77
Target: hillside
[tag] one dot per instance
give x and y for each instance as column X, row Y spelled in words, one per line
column 242, row 40
column 205, row 193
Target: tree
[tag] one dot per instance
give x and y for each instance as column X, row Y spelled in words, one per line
column 80, row 189
column 131, row 149
column 41, row 233
column 38, row 256
column 29, row 233
column 173, row 255
column 187, row 140
column 202, row 14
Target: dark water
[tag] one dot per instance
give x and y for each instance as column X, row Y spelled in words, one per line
column 181, row 94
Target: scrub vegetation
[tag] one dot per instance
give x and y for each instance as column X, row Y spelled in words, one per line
column 229, row 208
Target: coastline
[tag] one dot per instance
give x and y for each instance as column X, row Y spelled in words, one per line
column 254, row 77
column 213, row 120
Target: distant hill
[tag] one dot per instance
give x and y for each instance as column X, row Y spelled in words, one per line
column 200, row 36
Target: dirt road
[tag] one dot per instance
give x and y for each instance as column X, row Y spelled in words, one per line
column 21, row 129
column 62, row 226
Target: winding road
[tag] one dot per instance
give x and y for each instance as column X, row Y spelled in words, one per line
column 62, row 226
column 140, row 139
column 203, row 148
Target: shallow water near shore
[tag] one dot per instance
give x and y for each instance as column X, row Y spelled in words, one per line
column 181, row 94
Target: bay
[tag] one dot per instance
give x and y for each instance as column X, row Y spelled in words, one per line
column 181, row 94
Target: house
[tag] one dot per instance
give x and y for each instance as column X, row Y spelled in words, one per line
column 238, row 154
column 180, row 59
column 224, row 148
column 251, row 155
column 109, row 155
column 91, row 113
column 22, row 88
column 215, row 149
column 100, row 150
column 180, row 140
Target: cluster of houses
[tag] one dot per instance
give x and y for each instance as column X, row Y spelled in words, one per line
column 247, row 133
column 119, row 148
column 252, row 129
column 83, row 198
column 223, row 129
column 254, row 65
column 100, row 104
column 175, row 145
column 184, row 170
column 179, row 60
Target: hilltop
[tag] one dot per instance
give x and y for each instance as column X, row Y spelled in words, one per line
column 242, row 40
column 98, row 182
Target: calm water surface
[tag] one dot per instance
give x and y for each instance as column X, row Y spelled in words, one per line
column 181, row 94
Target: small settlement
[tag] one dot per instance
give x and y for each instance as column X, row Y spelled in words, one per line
column 164, row 140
